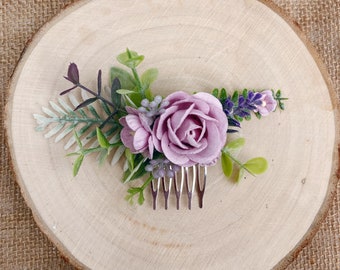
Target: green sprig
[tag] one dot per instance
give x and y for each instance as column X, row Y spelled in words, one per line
column 232, row 166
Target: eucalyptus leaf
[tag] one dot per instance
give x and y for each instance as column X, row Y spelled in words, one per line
column 256, row 165
column 130, row 59
column 148, row 77
column 125, row 78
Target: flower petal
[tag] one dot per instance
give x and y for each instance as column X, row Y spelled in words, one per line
column 133, row 121
column 140, row 139
column 209, row 99
column 179, row 160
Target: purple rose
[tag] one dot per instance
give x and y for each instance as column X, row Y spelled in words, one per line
column 136, row 133
column 268, row 104
column 191, row 130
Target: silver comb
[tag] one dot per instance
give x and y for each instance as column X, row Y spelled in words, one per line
column 192, row 178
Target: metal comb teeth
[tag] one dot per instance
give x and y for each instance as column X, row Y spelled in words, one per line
column 193, row 178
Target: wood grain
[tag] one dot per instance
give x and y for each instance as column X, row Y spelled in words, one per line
column 196, row 45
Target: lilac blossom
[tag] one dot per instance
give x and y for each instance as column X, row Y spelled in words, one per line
column 136, row 133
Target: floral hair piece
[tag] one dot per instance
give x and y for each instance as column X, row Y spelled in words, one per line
column 157, row 135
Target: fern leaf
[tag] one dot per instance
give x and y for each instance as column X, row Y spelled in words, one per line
column 54, row 130
column 65, row 105
column 73, row 100
column 57, row 108
column 117, row 155
column 65, row 132
column 93, row 112
column 80, row 133
column 48, row 112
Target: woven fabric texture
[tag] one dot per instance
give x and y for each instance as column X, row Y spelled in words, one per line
column 24, row 246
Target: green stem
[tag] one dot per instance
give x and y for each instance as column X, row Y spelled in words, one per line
column 138, row 81
column 147, row 182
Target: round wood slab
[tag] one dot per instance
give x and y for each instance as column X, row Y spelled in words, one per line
column 197, row 46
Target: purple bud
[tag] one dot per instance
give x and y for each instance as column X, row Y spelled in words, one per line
column 158, row 99
column 145, row 103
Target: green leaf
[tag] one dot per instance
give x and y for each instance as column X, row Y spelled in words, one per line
column 103, row 142
column 125, row 91
column 129, row 158
column 245, row 93
column 281, row 105
column 136, row 98
column 91, row 150
column 236, row 144
column 148, row 77
column 148, row 94
column 239, row 175
column 227, row 165
column 125, row 78
column 136, row 172
column 77, row 164
column 223, row 94
column 278, row 94
column 141, row 197
column 130, row 59
column 235, row 97
column 256, row 165
column 215, row 93
column 78, row 140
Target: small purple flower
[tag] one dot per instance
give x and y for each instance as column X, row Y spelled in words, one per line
column 192, row 129
column 268, row 103
column 136, row 133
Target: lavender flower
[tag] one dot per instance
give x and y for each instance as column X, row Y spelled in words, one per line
column 238, row 107
column 247, row 104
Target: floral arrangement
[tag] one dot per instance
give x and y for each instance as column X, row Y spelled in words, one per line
column 157, row 135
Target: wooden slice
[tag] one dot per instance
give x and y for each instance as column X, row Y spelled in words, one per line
column 197, row 46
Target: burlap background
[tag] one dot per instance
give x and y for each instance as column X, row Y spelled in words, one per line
column 23, row 246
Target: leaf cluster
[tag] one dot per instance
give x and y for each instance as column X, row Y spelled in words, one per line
column 134, row 88
column 233, row 168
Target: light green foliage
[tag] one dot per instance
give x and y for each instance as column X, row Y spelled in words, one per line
column 233, row 168
column 131, row 59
